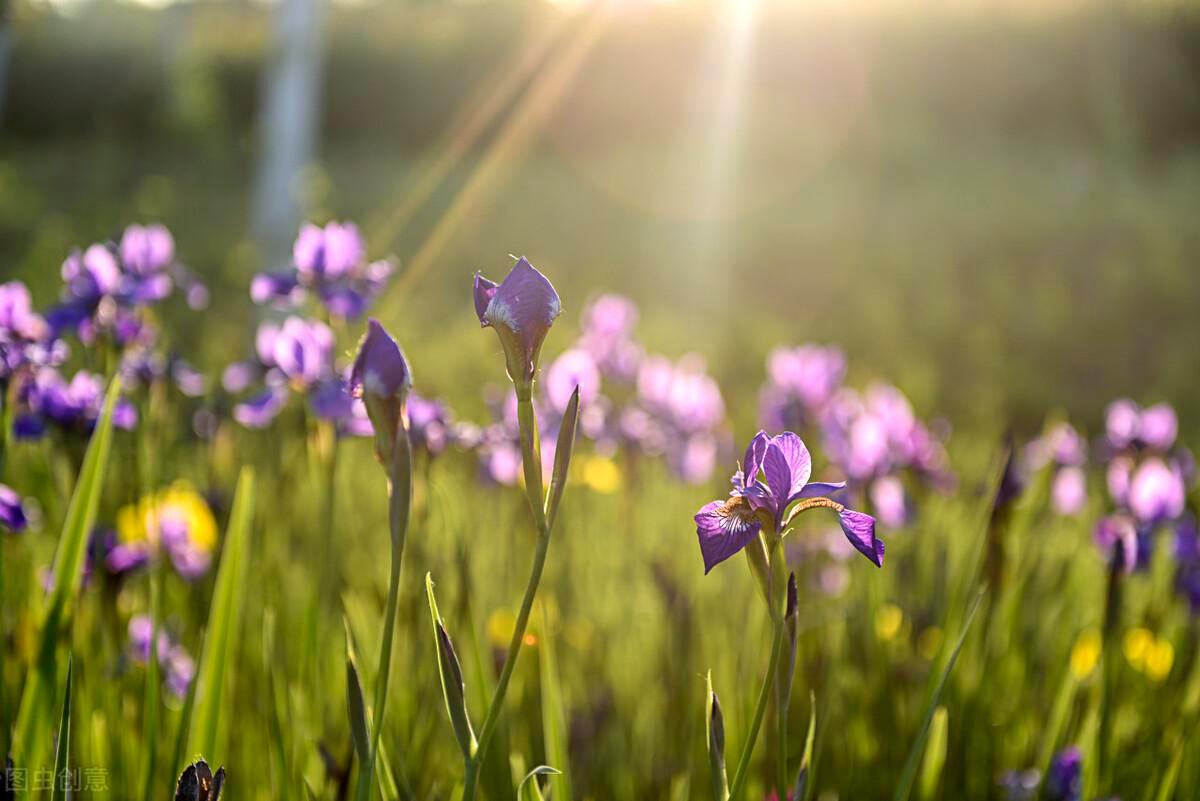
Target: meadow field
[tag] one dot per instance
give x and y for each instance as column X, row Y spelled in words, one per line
column 430, row 497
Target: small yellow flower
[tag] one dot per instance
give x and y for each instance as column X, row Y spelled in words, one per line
column 929, row 642
column 179, row 505
column 601, row 474
column 1137, row 645
column 1086, row 654
column 1159, row 659
column 888, row 620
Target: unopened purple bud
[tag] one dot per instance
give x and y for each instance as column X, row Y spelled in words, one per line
column 521, row 309
column 380, row 368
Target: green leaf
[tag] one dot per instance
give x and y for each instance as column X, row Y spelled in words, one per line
column 562, row 456
column 714, row 739
column 224, row 622
column 904, row 787
column 31, row 734
column 62, row 757
column 358, row 712
column 454, row 688
column 535, row 792
column 554, row 727
column 801, row 791
column 935, row 755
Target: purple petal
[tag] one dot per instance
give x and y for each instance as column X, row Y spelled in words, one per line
column 1159, row 426
column 752, row 461
column 12, row 510
column 787, row 465
column 272, row 287
column 260, row 410
column 146, row 249
column 819, row 489
column 859, row 529
column 484, row 291
column 724, row 528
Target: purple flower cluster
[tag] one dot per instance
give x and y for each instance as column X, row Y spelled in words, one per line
column 1064, row 451
column 876, row 440
column 45, row 399
column 106, row 283
column 294, row 357
column 329, row 264
column 800, row 384
column 178, row 667
column 1148, row 476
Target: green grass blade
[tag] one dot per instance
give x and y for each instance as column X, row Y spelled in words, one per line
column 34, row 716
column 803, row 787
column 534, row 793
column 904, row 787
column 62, row 755
column 554, row 727
column 935, row 756
column 224, row 620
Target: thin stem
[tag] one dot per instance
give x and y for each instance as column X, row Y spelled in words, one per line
column 739, row 778
column 400, row 497
column 532, row 463
column 781, row 734
column 1108, row 668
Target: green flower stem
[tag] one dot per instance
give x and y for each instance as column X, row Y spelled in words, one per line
column 739, row 778
column 400, row 498
column 532, row 462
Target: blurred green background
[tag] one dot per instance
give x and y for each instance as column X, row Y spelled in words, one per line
column 993, row 205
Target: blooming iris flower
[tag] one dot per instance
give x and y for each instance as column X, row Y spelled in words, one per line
column 23, row 332
column 726, row 527
column 176, row 521
column 45, row 397
column 331, row 263
column 521, row 309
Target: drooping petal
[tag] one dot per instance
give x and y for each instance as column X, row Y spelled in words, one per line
column 859, row 529
column 484, row 291
column 724, row 528
column 788, row 466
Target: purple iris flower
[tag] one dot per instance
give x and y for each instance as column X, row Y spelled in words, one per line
column 800, row 382
column 573, row 368
column 12, row 510
column 147, row 249
column 328, row 252
column 521, row 309
column 726, row 527
column 178, row 667
column 22, row 331
column 1128, row 426
column 46, row 397
column 329, row 262
column 1064, row 451
column 1064, row 779
column 607, row 335
column 92, row 273
column 303, row 351
column 1156, row 492
column 430, row 424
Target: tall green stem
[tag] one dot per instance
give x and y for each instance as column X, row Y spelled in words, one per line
column 739, row 778
column 1108, row 668
column 532, row 462
column 400, row 498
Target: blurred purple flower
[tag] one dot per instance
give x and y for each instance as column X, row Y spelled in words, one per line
column 726, row 527
column 1117, row 537
column 330, row 263
column 303, row 351
column 800, row 382
column 573, row 368
column 1064, row 779
column 147, row 249
column 1129, row 426
column 12, row 510
column 179, row 669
